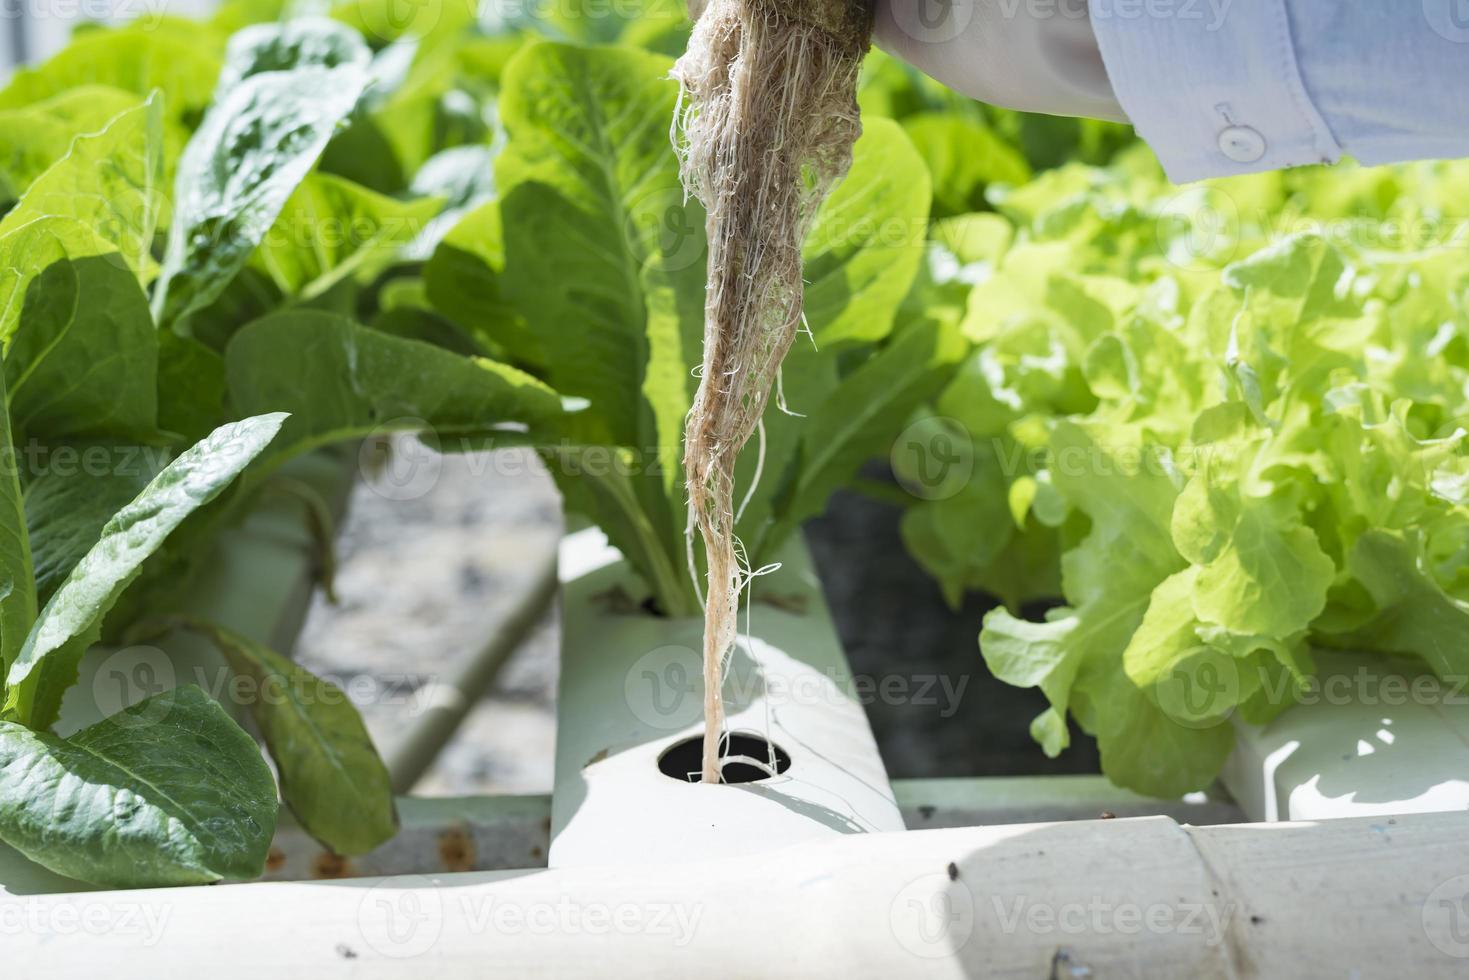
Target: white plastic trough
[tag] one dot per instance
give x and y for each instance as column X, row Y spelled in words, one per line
column 1373, row 737
column 632, row 687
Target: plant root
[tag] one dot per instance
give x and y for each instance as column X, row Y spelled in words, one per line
column 768, row 120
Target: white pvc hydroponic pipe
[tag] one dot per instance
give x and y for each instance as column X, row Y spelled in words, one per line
column 631, row 688
column 1141, row 898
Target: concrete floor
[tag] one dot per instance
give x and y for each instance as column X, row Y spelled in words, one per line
column 424, row 565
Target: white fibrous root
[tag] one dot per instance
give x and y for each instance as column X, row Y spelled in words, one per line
column 767, row 123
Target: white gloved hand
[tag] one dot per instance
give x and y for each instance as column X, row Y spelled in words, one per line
column 1021, row 54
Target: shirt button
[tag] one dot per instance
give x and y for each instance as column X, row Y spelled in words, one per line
column 1242, row 144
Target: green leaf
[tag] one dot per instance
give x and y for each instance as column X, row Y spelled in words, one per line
column 463, row 282
column 387, row 21
column 289, row 44
column 674, row 333
column 599, row 482
column 1146, row 746
column 1196, row 675
column 1029, row 654
column 331, row 776
column 586, row 21
column 17, row 578
column 71, row 621
column 663, row 27
column 975, row 237
column 464, row 176
column 861, row 418
column 66, row 507
column 104, row 196
column 249, row 296
column 604, row 263
column 590, row 197
column 970, row 541
column 256, row 144
column 415, row 322
column 1123, row 484
column 191, row 386
column 331, row 229
column 867, row 242
column 1413, row 613
column 1168, row 632
column 135, row 61
column 965, row 157
column 1292, row 279
column 1151, row 750
column 84, row 359
column 1204, row 517
column 34, row 137
column 167, row 792
column 1113, row 579
column 342, row 381
column 1271, row 580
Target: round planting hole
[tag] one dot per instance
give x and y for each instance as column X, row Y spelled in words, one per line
column 747, row 758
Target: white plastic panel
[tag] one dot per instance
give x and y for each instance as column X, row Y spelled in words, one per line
column 631, row 686
column 1372, row 738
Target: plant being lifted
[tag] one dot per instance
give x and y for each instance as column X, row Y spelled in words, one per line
column 769, row 123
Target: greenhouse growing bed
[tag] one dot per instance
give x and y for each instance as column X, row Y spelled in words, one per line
column 670, row 870
column 1205, row 447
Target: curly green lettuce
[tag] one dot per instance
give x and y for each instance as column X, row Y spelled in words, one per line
column 1225, row 421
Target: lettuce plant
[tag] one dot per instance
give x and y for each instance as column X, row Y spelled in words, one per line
column 173, row 263
column 1224, row 424
column 588, row 269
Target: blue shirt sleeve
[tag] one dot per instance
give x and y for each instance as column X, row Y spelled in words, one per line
column 1221, row 87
